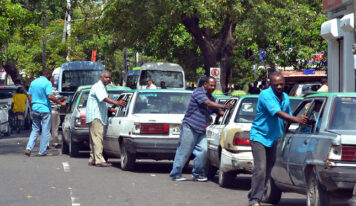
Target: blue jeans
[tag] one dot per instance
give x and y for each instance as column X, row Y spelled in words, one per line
column 45, row 118
column 190, row 142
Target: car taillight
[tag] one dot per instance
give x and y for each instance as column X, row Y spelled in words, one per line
column 242, row 139
column 80, row 121
column 348, row 153
column 150, row 128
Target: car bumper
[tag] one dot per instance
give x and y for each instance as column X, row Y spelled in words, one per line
column 152, row 145
column 338, row 178
column 236, row 161
column 80, row 135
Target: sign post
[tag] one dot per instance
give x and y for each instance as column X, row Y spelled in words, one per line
column 215, row 72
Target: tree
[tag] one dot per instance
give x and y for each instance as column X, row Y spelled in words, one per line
column 213, row 25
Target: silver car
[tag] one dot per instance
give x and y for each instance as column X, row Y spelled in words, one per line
column 318, row 159
column 75, row 131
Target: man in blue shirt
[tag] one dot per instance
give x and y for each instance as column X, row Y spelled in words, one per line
column 272, row 109
column 192, row 135
column 39, row 96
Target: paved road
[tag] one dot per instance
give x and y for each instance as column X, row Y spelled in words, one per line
column 61, row 180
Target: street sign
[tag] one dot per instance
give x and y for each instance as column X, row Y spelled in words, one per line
column 215, row 72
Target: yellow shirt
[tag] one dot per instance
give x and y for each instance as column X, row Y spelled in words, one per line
column 19, row 101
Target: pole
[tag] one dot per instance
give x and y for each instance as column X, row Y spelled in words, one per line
column 44, row 45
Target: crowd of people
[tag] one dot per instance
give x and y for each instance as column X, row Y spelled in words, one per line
column 273, row 108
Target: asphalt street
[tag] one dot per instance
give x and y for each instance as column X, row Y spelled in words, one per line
column 63, row 181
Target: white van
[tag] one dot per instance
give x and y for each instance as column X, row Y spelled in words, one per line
column 171, row 74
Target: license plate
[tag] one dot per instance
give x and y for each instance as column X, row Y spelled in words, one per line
column 175, row 128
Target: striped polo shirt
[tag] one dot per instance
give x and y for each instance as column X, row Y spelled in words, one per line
column 96, row 106
column 198, row 113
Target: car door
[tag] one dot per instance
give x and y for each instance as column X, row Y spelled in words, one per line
column 302, row 144
column 280, row 171
column 111, row 138
column 68, row 118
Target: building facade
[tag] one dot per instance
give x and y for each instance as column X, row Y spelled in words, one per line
column 340, row 33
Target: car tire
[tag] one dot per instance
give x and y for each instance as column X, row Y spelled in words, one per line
column 272, row 194
column 8, row 132
column 28, row 121
column 65, row 147
column 316, row 194
column 211, row 171
column 226, row 179
column 73, row 148
column 127, row 159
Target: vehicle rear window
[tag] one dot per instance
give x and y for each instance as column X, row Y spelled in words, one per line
column 162, row 102
column 343, row 114
column 72, row 79
column 247, row 111
column 171, row 78
column 7, row 93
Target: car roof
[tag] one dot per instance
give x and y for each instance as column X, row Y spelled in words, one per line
column 293, row 97
column 248, row 95
column 332, row 94
column 160, row 90
column 108, row 87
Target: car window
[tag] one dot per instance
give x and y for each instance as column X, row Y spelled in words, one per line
column 343, row 113
column 302, row 109
column 294, row 103
column 6, row 93
column 122, row 110
column 162, row 102
column 229, row 112
column 247, row 111
column 314, row 118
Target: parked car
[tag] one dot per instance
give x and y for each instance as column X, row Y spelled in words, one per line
column 75, row 131
column 318, row 159
column 4, row 121
column 148, row 127
column 303, row 89
column 229, row 148
column 6, row 93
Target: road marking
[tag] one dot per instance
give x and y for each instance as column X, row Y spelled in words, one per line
column 75, row 200
column 66, row 166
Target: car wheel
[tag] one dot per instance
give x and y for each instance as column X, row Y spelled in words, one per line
column 272, row 194
column 8, row 132
column 226, row 179
column 28, row 121
column 65, row 147
column 211, row 171
column 73, row 148
column 126, row 158
column 316, row 195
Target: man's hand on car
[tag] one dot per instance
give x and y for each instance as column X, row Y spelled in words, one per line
column 229, row 105
column 121, row 102
column 303, row 119
column 63, row 104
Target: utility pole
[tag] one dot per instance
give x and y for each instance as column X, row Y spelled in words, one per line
column 44, row 45
column 67, row 26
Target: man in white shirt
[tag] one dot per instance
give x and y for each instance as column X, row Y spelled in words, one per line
column 150, row 85
column 324, row 87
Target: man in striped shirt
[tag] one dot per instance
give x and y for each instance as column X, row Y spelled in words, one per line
column 192, row 136
column 97, row 116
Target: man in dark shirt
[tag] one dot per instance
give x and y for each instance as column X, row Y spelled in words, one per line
column 192, row 136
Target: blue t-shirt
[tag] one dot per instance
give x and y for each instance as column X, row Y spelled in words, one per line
column 198, row 113
column 39, row 89
column 267, row 126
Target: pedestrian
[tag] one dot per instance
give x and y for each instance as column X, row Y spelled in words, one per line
column 272, row 108
column 253, row 89
column 192, row 134
column 150, row 85
column 55, row 120
column 96, row 117
column 324, row 87
column 18, row 107
column 39, row 96
column 163, row 85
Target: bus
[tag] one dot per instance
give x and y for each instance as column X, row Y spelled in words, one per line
column 171, row 74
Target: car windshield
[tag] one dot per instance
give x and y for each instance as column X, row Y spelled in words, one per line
column 294, row 103
column 343, row 114
column 172, row 79
column 84, row 99
column 247, row 111
column 72, row 79
column 162, row 102
column 6, row 93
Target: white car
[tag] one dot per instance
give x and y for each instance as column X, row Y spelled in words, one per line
column 229, row 146
column 148, row 127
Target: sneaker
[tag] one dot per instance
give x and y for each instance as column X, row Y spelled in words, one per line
column 179, row 178
column 200, row 179
column 28, row 152
column 256, row 204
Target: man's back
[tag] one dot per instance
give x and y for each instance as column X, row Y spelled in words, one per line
column 39, row 89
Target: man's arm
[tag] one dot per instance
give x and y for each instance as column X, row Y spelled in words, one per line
column 55, row 100
column 121, row 102
column 285, row 116
column 212, row 104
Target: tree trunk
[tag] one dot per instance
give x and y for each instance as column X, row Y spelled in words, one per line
column 11, row 70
